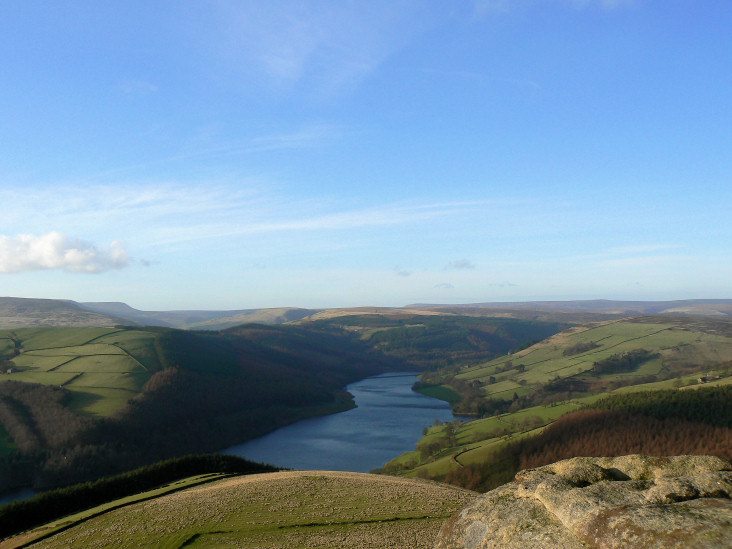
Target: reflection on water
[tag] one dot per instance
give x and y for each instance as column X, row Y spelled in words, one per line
column 388, row 422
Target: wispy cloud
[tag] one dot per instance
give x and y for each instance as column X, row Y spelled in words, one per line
column 641, row 249
column 137, row 87
column 667, row 261
column 317, row 134
column 631, row 251
column 159, row 214
column 402, row 272
column 27, row 252
column 444, row 286
column 459, row 265
column 486, row 78
column 504, row 284
column 482, row 8
column 329, row 47
column 308, row 136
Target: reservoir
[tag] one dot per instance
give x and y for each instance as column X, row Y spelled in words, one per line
column 387, row 422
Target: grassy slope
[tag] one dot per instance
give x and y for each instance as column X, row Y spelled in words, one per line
column 62, row 524
column 102, row 367
column 546, row 360
column 441, row 392
column 678, row 345
column 681, row 345
column 274, row 510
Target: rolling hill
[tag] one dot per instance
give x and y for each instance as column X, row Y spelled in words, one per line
column 269, row 510
column 203, row 320
column 24, row 312
column 18, row 312
column 517, row 396
column 430, row 339
column 694, row 307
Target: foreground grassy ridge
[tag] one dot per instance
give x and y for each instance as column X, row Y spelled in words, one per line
column 36, row 535
column 101, row 367
column 93, row 498
column 275, row 510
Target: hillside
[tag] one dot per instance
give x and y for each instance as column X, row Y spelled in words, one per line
column 429, row 339
column 590, row 359
column 205, row 320
column 516, row 396
column 270, row 510
column 79, row 403
column 694, row 307
column 17, row 312
column 22, row 312
column 278, row 315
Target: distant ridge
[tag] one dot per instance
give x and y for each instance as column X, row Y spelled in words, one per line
column 698, row 307
column 20, row 312
column 202, row 320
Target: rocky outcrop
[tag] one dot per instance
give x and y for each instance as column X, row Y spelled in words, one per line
column 609, row 503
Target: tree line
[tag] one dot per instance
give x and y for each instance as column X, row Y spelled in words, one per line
column 658, row 423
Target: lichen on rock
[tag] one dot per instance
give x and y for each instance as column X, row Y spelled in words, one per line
column 604, row 503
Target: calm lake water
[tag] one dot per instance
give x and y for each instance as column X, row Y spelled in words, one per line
column 388, row 422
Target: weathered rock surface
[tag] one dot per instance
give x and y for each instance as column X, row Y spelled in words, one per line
column 609, row 503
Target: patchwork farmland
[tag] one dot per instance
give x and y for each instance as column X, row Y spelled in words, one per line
column 102, row 368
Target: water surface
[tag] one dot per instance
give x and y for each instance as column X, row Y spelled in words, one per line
column 387, row 422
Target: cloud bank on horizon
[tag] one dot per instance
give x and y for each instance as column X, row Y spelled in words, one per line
column 254, row 154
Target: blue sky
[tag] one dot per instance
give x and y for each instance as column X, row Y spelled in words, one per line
column 225, row 155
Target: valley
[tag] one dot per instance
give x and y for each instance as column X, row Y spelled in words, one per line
column 82, row 402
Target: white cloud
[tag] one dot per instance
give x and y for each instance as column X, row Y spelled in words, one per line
column 28, row 252
column 459, row 265
column 445, row 286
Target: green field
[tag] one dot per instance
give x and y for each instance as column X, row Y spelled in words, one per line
column 442, row 392
column 101, row 367
column 478, row 438
column 272, row 510
column 545, row 361
column 55, row 338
